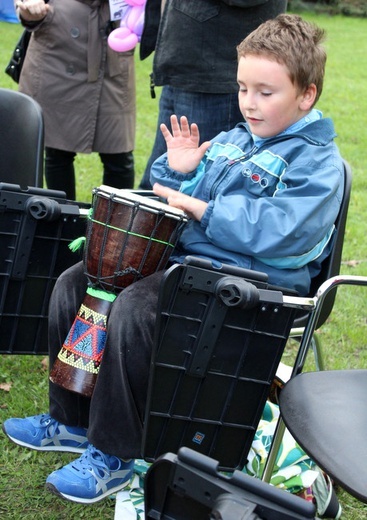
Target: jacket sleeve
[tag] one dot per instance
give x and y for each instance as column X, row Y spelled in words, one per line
column 293, row 224
column 163, row 174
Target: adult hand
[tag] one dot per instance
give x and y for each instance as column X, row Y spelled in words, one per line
column 32, row 10
column 194, row 208
column 183, row 151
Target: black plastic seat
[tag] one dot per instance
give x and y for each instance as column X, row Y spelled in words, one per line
column 326, row 411
column 329, row 286
column 21, row 139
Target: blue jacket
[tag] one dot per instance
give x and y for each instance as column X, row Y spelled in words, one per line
column 271, row 206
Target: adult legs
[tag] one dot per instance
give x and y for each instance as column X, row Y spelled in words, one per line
column 213, row 113
column 117, row 405
column 118, row 169
column 59, row 171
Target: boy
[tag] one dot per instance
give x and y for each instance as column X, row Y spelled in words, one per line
column 264, row 195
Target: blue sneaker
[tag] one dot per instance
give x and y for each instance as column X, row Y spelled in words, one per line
column 43, row 433
column 91, row 477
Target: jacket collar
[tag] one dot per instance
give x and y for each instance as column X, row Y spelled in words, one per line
column 319, row 132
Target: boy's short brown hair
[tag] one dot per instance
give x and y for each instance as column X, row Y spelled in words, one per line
column 293, row 42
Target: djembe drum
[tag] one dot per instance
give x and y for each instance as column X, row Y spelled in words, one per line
column 128, row 238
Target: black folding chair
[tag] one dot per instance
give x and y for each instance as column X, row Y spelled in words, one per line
column 326, row 411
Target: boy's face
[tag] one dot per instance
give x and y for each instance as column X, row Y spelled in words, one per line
column 268, row 100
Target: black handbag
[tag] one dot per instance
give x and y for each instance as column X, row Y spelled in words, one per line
column 14, row 67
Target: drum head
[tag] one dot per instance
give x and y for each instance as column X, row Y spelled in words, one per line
column 129, row 197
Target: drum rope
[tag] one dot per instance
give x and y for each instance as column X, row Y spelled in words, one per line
column 138, row 235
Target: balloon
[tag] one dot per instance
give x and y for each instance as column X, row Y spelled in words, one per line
column 135, row 2
column 122, row 39
column 127, row 36
column 135, row 20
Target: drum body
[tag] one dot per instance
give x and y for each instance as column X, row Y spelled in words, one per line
column 128, row 238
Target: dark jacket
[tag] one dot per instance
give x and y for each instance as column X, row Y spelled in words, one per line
column 195, row 40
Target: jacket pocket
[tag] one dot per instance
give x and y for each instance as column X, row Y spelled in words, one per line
column 201, row 11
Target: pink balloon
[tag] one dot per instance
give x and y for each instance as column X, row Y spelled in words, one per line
column 122, row 39
column 135, row 20
column 135, row 2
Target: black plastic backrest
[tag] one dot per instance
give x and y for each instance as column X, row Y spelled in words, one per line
column 21, row 139
column 218, row 341
column 331, row 265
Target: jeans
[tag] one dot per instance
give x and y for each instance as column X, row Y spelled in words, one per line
column 213, row 113
column 114, row 414
column 118, row 170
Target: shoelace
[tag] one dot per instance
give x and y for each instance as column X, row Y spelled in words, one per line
column 50, row 424
column 92, row 460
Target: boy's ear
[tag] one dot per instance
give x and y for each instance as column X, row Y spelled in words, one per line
column 308, row 97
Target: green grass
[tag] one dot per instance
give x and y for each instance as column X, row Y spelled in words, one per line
column 22, row 472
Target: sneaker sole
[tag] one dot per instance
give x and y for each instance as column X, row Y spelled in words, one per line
column 50, row 487
column 68, row 449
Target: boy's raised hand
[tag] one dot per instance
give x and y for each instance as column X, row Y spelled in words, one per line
column 183, row 151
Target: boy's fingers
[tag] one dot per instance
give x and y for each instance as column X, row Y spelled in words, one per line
column 161, row 191
column 164, row 130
